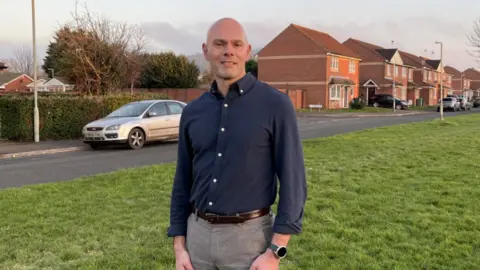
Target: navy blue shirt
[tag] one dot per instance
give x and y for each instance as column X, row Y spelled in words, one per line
column 231, row 151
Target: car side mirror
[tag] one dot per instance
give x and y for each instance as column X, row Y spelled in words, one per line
column 152, row 114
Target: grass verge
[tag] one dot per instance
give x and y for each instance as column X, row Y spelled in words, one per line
column 403, row 197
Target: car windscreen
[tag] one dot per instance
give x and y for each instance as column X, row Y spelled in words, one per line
column 447, row 99
column 130, row 110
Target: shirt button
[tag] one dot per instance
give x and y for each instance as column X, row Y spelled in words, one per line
column 210, row 203
column 219, row 154
column 226, row 105
column 241, row 91
column 223, row 129
column 214, row 180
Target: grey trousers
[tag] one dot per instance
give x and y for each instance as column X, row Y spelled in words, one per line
column 227, row 246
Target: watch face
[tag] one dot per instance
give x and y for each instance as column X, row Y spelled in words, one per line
column 282, row 252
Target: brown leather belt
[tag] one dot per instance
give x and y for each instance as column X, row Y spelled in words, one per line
column 239, row 218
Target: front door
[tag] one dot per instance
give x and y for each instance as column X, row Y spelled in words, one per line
column 345, row 96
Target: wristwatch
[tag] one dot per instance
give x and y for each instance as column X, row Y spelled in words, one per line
column 279, row 251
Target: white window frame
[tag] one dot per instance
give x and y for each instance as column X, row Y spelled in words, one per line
column 410, row 74
column 389, row 72
column 404, row 72
column 335, row 92
column 334, row 63
column 351, row 66
column 396, row 71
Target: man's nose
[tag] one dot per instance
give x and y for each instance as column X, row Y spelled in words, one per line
column 228, row 49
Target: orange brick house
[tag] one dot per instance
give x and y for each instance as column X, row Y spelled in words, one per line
column 426, row 75
column 307, row 59
column 382, row 70
column 473, row 75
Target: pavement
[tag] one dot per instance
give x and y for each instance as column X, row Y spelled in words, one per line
column 23, row 149
column 68, row 165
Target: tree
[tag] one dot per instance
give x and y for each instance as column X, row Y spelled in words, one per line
column 22, row 61
column 167, row 70
column 473, row 40
column 252, row 67
column 97, row 54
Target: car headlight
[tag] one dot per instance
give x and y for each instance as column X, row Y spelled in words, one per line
column 114, row 127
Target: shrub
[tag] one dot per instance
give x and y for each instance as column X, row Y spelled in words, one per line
column 357, row 104
column 61, row 116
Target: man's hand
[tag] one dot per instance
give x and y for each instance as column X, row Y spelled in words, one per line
column 266, row 261
column 183, row 260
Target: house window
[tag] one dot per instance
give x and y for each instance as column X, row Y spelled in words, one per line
column 410, row 74
column 404, row 72
column 334, row 63
column 351, row 66
column 425, row 75
column 389, row 72
column 335, row 92
column 430, row 75
column 396, row 71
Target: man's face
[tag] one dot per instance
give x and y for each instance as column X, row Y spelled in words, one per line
column 227, row 50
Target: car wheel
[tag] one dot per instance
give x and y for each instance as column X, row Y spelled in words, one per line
column 136, row 139
column 375, row 104
column 94, row 146
column 398, row 107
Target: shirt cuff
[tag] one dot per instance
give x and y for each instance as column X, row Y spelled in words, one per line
column 287, row 228
column 177, row 230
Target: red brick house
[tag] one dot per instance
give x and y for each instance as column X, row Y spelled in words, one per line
column 303, row 58
column 460, row 84
column 11, row 81
column 383, row 70
column 426, row 75
column 473, row 75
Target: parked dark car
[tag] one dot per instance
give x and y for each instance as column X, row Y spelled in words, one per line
column 386, row 101
column 476, row 103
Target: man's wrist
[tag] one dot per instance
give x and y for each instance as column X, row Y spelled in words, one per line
column 179, row 244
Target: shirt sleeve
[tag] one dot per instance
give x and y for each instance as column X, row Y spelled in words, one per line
column 180, row 207
column 290, row 169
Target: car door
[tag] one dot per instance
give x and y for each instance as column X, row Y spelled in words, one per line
column 156, row 120
column 175, row 110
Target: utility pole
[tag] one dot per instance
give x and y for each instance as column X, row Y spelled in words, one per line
column 441, row 78
column 393, row 86
column 36, row 117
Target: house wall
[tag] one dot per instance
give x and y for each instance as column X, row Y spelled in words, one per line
column 19, row 84
column 342, row 71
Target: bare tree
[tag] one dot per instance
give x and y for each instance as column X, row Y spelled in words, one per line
column 22, row 61
column 473, row 40
column 105, row 55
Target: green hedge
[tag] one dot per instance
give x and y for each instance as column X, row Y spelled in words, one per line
column 61, row 117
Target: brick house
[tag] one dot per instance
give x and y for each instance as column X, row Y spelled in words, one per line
column 426, row 75
column 11, row 81
column 383, row 70
column 460, row 84
column 473, row 75
column 302, row 58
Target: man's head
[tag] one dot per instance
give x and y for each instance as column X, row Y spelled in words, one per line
column 227, row 49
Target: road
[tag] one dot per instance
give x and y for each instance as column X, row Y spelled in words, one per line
column 67, row 166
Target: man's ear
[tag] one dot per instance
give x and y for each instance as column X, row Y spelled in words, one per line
column 205, row 51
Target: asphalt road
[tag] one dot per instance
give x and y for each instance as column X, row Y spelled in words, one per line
column 66, row 166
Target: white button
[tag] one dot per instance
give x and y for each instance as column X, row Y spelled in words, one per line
column 210, row 203
column 241, row 91
column 214, row 180
column 219, row 154
column 223, row 129
column 226, row 105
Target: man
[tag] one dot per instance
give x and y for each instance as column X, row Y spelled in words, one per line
column 233, row 142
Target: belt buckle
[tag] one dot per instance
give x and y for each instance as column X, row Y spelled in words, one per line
column 209, row 217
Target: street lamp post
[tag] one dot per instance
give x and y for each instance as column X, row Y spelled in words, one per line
column 441, row 78
column 393, row 85
column 36, row 118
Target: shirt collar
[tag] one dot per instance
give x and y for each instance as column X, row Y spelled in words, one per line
column 242, row 86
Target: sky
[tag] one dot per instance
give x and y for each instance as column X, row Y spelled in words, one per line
column 180, row 26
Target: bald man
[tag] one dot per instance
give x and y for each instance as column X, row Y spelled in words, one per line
column 236, row 141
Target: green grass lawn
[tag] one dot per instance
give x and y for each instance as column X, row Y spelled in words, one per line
column 402, row 197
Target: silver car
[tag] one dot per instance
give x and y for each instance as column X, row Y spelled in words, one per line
column 449, row 103
column 136, row 123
